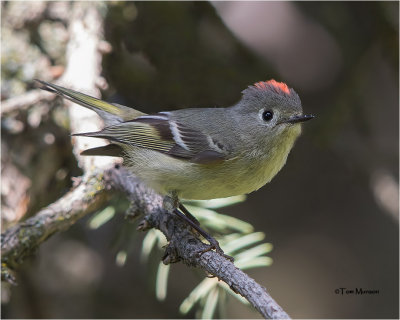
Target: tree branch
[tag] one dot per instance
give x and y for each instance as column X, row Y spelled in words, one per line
column 82, row 73
column 21, row 240
column 24, row 101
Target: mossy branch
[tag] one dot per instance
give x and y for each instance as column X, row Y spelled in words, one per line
column 21, row 240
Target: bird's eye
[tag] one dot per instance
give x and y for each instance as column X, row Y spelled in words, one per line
column 267, row 115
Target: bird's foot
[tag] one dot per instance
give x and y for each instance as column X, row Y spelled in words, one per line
column 214, row 245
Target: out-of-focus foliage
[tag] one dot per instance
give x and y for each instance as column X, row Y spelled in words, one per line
column 163, row 58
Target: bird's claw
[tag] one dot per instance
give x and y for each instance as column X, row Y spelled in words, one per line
column 214, row 245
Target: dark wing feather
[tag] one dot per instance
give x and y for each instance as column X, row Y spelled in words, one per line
column 208, row 157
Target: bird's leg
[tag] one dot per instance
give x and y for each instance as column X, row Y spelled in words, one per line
column 214, row 244
column 188, row 214
column 171, row 204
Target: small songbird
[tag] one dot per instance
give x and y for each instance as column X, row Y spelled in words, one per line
column 201, row 153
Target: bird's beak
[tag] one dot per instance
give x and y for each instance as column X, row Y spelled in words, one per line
column 296, row 119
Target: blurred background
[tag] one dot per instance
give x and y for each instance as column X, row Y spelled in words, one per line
column 331, row 213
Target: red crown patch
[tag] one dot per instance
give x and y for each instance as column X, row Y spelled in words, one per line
column 278, row 87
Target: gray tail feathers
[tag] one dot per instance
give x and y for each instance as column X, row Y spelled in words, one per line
column 111, row 150
column 110, row 113
column 96, row 134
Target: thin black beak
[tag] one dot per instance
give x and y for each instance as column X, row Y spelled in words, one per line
column 297, row 119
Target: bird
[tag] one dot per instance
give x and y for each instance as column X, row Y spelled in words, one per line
column 200, row 153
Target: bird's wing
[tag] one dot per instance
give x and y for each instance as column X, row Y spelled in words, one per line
column 157, row 132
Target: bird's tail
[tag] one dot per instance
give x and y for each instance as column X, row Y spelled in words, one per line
column 111, row 113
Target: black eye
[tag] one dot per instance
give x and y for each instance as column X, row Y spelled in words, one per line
column 267, row 115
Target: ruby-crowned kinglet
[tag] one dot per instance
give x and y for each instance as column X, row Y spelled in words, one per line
column 201, row 153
